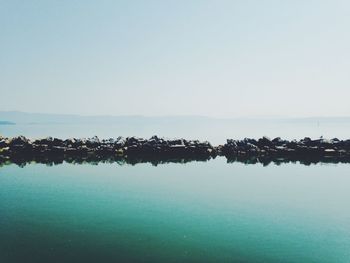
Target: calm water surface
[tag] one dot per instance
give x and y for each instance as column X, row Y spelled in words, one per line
column 196, row 212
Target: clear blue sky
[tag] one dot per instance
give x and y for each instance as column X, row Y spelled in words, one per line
column 216, row 58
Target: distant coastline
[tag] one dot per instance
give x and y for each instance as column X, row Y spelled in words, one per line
column 7, row 123
column 18, row 117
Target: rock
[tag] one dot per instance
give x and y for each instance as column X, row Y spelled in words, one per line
column 177, row 142
column 330, row 151
column 47, row 140
column 4, row 142
column 69, row 142
column 178, row 146
column 4, row 151
column 306, row 142
column 248, row 140
column 119, row 152
column 58, row 150
column 264, row 141
column 132, row 141
column 277, row 140
column 57, row 142
column 120, row 142
column 247, row 150
column 71, row 151
column 93, row 142
column 155, row 138
column 20, row 140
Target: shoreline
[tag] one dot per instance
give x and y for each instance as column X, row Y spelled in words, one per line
column 132, row 150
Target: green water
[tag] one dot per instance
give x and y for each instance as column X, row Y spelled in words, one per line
column 197, row 212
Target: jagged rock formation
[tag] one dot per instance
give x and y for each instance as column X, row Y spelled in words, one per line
column 156, row 150
column 132, row 149
column 306, row 151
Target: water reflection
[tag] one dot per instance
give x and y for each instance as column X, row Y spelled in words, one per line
column 158, row 160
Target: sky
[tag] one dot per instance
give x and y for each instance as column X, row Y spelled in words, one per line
column 201, row 57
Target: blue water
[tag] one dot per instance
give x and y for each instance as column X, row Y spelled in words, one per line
column 195, row 212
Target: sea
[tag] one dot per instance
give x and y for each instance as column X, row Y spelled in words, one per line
column 210, row 211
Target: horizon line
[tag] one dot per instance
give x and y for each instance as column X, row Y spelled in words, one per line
column 179, row 116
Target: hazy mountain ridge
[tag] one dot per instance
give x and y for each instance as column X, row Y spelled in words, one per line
column 42, row 118
column 7, row 123
column 12, row 117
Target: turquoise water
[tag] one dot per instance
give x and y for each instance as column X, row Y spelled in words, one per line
column 196, row 212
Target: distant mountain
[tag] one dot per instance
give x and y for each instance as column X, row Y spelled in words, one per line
column 18, row 117
column 7, row 123
column 44, row 118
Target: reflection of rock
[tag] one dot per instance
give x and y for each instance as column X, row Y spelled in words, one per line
column 132, row 149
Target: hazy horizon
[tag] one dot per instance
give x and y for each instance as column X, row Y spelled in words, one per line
column 223, row 59
column 257, row 117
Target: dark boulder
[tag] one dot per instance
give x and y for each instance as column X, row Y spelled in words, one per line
column 264, row 141
column 307, row 141
column 93, row 142
column 4, row 142
column 20, row 140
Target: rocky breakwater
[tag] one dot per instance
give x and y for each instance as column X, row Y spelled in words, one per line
column 21, row 150
column 306, row 151
column 157, row 150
